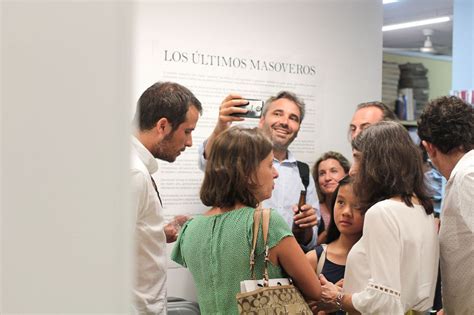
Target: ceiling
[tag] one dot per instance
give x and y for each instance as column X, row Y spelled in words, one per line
column 411, row 38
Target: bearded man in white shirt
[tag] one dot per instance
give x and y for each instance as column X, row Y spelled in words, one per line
column 446, row 129
column 166, row 116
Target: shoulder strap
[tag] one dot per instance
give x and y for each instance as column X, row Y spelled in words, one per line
column 265, row 226
column 258, row 213
column 321, row 260
column 319, row 250
column 303, row 168
column 256, row 226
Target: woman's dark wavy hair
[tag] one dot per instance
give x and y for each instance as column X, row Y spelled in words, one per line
column 232, row 165
column 390, row 166
column 333, row 231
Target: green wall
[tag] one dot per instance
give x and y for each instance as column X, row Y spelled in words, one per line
column 439, row 72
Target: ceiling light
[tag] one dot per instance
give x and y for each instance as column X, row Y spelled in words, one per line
column 393, row 27
column 389, row 1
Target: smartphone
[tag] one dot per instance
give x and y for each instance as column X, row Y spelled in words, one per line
column 254, row 108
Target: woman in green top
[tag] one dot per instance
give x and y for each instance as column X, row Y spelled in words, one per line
column 216, row 246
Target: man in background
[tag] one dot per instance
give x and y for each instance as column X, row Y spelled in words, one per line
column 165, row 118
column 446, row 128
column 367, row 114
column 281, row 120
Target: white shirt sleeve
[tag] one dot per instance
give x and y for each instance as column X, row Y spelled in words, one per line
column 383, row 245
column 139, row 192
column 466, row 200
column 202, row 162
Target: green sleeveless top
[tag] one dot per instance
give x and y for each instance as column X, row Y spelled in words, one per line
column 216, row 250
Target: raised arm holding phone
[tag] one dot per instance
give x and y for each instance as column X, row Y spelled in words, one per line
column 280, row 120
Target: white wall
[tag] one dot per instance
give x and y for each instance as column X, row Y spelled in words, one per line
column 65, row 229
column 343, row 38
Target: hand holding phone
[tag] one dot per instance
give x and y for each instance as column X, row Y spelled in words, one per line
column 254, row 109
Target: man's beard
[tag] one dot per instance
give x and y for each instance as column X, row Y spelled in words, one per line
column 278, row 144
column 162, row 150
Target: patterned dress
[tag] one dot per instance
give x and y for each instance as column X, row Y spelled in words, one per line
column 216, row 250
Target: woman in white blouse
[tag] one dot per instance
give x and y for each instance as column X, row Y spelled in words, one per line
column 392, row 269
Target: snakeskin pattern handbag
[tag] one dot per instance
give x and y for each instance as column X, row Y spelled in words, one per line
column 269, row 300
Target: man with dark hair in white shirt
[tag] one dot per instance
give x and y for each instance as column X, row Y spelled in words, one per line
column 366, row 114
column 369, row 113
column 281, row 120
column 166, row 116
column 446, row 128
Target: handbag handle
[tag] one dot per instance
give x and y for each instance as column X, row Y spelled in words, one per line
column 256, row 226
column 258, row 213
column 265, row 226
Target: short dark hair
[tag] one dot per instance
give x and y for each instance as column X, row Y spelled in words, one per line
column 390, row 166
column 346, row 165
column 333, row 232
column 387, row 113
column 289, row 96
column 447, row 123
column 235, row 157
column 164, row 100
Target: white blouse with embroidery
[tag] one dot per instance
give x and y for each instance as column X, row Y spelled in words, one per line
column 393, row 267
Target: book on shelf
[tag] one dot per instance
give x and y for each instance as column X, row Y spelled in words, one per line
column 405, row 105
column 466, row 95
